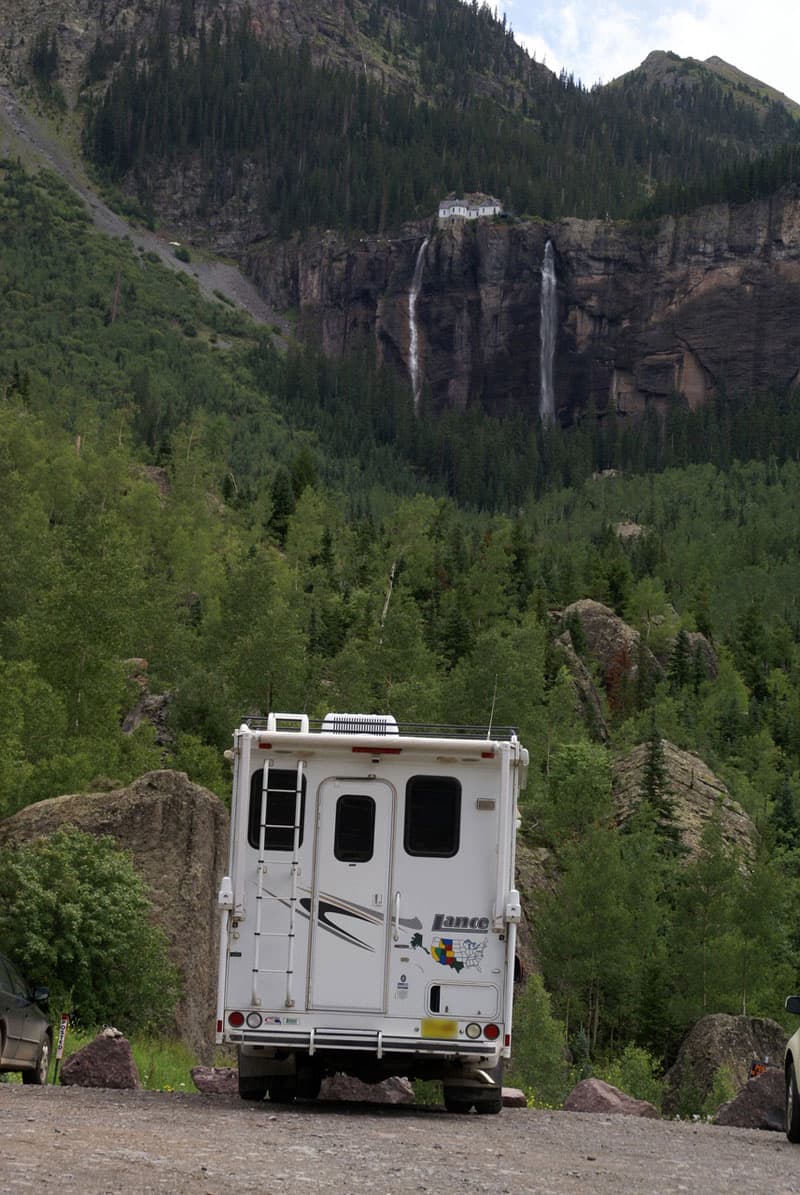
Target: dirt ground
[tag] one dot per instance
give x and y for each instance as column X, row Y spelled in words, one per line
column 91, row 1142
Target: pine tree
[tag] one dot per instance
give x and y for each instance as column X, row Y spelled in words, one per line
column 655, row 793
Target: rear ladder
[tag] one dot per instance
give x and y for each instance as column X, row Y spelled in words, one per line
column 263, row 896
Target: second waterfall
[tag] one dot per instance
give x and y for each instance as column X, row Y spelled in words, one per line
column 413, row 337
column 548, row 325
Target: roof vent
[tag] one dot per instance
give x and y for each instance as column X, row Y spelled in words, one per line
column 360, row 724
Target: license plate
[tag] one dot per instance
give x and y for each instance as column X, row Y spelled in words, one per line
column 439, row 1027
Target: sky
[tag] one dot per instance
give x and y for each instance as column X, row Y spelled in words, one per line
column 596, row 42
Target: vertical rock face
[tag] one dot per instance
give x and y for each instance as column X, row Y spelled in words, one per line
column 177, row 834
column 673, row 311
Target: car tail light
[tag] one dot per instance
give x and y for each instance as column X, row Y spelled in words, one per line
column 491, row 1031
column 236, row 1019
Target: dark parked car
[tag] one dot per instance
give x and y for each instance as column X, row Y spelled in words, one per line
column 26, row 1038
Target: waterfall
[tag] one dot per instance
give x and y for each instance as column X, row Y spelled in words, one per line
column 547, row 332
column 413, row 339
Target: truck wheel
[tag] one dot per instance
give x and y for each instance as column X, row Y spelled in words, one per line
column 252, row 1087
column 457, row 1099
column 283, row 1089
column 491, row 1106
column 792, row 1105
column 309, row 1080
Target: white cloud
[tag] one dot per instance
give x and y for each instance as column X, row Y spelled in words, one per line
column 598, row 43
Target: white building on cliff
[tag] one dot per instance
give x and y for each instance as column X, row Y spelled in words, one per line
column 469, row 207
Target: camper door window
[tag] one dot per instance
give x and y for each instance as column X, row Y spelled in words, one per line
column 281, row 804
column 354, row 835
column 432, row 816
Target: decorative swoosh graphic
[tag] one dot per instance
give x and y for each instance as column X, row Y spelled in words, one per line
column 329, row 904
column 325, row 908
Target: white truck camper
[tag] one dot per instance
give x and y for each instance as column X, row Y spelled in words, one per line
column 369, row 918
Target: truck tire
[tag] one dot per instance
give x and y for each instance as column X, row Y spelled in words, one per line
column 792, row 1105
column 252, row 1087
column 490, row 1106
column 282, row 1089
column 309, row 1080
column 457, row 1100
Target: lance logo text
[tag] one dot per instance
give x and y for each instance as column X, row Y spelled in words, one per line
column 472, row 925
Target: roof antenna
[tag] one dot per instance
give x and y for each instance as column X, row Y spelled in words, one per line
column 491, row 715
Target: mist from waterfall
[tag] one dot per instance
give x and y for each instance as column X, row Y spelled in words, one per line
column 413, row 338
column 548, row 324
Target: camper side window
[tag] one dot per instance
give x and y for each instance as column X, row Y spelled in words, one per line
column 354, row 834
column 281, row 801
column 433, row 816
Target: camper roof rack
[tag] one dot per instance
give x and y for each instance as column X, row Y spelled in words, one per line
column 376, row 724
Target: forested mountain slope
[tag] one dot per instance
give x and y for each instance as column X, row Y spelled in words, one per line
column 267, row 526
column 160, row 504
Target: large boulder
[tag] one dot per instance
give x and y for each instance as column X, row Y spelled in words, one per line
column 105, row 1062
column 720, row 1041
column 177, row 833
column 615, row 647
column 347, row 1087
column 696, row 795
column 536, row 872
column 699, row 646
column 587, row 695
column 759, row 1105
column 595, row 1095
column 216, row 1080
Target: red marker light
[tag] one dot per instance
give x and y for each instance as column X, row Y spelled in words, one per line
column 491, row 1032
column 236, row 1019
column 377, row 750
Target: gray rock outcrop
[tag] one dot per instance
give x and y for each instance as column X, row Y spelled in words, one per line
column 643, row 319
column 720, row 1041
column 587, row 695
column 177, row 833
column 696, row 795
column 614, row 646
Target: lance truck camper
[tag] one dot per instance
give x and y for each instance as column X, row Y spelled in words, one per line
column 369, row 918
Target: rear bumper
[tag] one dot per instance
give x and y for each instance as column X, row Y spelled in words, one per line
column 373, row 1042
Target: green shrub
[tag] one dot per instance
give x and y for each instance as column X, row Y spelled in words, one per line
column 636, row 1072
column 538, row 1064
column 691, row 1103
column 75, row 915
column 723, row 1088
column 182, row 253
column 202, row 764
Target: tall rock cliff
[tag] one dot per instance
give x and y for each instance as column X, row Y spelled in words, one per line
column 680, row 310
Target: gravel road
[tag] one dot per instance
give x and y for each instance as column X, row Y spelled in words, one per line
column 76, row 1140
